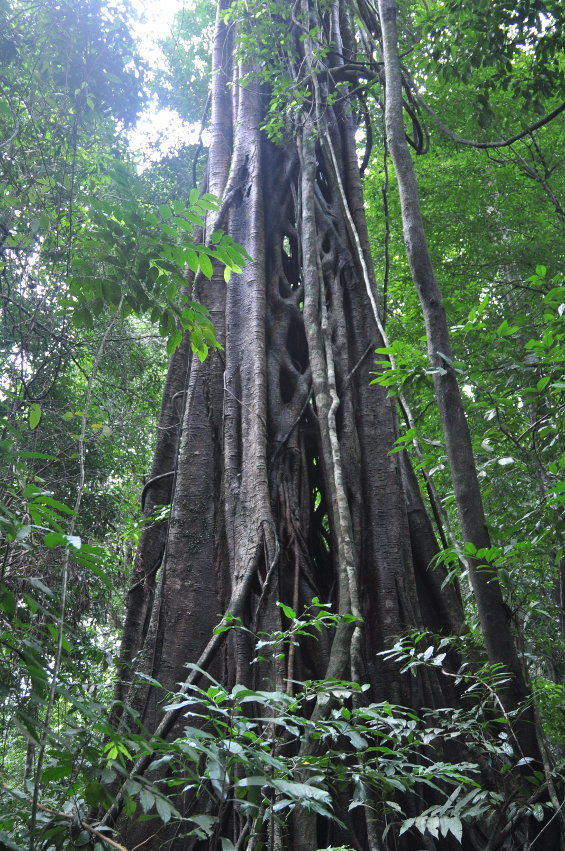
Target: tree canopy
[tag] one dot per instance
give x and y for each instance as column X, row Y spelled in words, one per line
column 281, row 511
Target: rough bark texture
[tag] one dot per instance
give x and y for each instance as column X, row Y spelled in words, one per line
column 493, row 612
column 494, row 615
column 285, row 486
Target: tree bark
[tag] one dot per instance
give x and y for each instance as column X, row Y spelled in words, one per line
column 286, row 487
column 493, row 613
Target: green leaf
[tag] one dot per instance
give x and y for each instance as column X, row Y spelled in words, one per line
column 23, row 533
column 196, row 220
column 34, row 415
column 191, row 258
column 300, row 791
column 7, row 601
column 164, row 809
column 174, row 341
column 45, row 499
column 205, row 823
column 454, row 826
column 54, row 539
column 208, row 205
column 183, row 224
column 288, row 612
column 96, row 794
column 258, row 780
column 146, row 799
column 37, row 583
column 55, row 772
column 358, row 742
column 129, row 804
column 206, row 265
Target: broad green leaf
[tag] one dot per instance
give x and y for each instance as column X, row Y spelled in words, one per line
column 196, row 220
column 55, row 539
column 146, row 799
column 174, row 341
column 129, row 805
column 55, row 772
column 34, row 415
column 206, row 265
column 37, row 583
column 205, row 823
column 191, row 259
column 452, row 825
column 287, row 611
column 163, row 808
column 300, row 791
column 45, row 499
column 258, row 780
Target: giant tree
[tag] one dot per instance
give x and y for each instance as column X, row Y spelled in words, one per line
column 276, row 451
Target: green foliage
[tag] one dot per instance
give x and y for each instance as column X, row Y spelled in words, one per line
column 496, row 46
column 263, row 748
column 183, row 85
column 78, row 239
column 134, row 258
column 81, row 234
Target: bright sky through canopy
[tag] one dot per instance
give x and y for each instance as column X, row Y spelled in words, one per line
column 159, row 131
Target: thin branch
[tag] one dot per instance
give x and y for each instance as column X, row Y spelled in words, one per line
column 12, row 137
column 70, row 817
column 150, row 484
column 501, row 143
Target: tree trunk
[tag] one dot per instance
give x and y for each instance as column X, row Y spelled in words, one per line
column 285, row 487
column 493, row 612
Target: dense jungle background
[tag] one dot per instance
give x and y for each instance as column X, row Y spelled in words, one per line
column 282, row 408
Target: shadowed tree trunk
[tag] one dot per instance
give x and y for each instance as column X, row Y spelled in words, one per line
column 493, row 613
column 284, row 488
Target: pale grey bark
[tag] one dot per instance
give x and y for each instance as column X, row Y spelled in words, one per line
column 493, row 613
